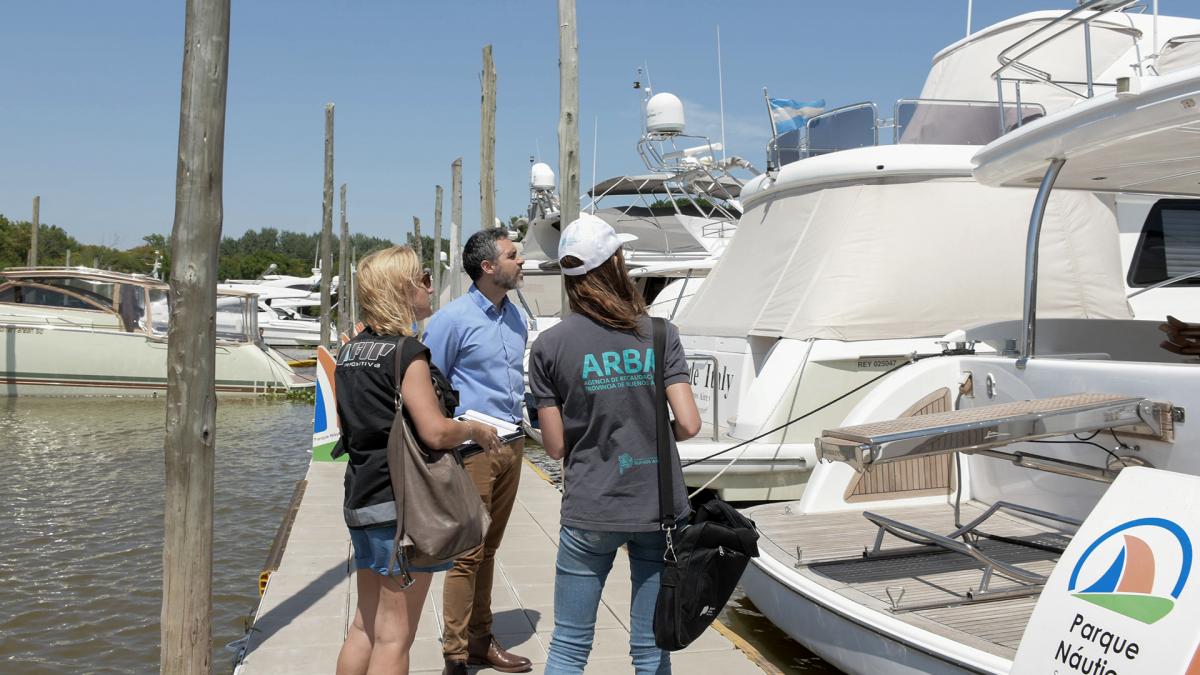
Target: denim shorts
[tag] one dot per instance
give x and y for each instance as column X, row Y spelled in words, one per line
column 373, row 548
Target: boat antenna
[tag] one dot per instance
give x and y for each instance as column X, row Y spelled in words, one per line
column 538, row 144
column 721, row 91
column 970, row 7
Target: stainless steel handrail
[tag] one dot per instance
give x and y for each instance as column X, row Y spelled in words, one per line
column 716, row 427
column 1027, row 347
column 1099, row 7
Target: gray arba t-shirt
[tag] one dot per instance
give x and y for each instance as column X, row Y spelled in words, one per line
column 602, row 379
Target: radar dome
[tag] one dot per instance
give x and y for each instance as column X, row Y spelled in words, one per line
column 541, row 177
column 664, row 114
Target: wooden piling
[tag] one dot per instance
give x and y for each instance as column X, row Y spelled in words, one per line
column 33, row 234
column 68, row 263
column 343, row 322
column 487, row 144
column 456, row 242
column 437, row 247
column 416, row 242
column 191, row 407
column 327, row 227
column 568, row 120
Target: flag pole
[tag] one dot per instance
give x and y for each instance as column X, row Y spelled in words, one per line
column 773, row 148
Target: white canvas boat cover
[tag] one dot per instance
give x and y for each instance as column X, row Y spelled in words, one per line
column 1178, row 55
column 880, row 261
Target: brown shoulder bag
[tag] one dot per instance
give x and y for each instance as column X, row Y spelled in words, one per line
column 439, row 514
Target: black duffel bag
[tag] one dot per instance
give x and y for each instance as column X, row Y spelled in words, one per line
column 704, row 559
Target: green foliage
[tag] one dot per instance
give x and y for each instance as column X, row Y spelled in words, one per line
column 244, row 257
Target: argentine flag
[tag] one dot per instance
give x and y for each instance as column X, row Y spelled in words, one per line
column 790, row 115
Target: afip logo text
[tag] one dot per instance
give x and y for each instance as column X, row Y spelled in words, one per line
column 1139, row 574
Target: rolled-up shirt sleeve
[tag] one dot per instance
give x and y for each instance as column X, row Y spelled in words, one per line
column 541, row 380
column 675, row 366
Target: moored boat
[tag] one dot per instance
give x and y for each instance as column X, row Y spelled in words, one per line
column 81, row 331
column 1022, row 446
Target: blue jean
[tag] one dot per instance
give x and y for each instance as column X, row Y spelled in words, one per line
column 585, row 558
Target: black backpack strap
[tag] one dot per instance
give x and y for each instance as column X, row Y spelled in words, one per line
column 666, row 501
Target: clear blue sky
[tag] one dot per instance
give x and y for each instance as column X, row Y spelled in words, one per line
column 89, row 95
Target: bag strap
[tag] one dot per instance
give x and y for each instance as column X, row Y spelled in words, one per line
column 398, row 493
column 666, row 501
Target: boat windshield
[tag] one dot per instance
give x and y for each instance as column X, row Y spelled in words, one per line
column 99, row 292
column 914, row 121
column 235, row 320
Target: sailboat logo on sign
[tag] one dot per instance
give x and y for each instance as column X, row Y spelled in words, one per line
column 1139, row 574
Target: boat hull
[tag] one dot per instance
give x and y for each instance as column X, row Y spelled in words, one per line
column 850, row 645
column 56, row 361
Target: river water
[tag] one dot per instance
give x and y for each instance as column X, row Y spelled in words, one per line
column 81, row 522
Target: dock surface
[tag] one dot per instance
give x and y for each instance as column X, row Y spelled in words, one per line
column 309, row 601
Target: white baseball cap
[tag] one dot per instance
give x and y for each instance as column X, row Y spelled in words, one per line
column 591, row 240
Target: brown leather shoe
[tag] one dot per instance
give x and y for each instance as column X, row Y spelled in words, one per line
column 455, row 667
column 487, row 652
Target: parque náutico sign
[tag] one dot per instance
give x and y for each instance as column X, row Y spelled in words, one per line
column 1124, row 598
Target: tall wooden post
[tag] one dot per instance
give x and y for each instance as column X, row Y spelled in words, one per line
column 456, row 242
column 327, row 227
column 353, row 287
column 33, row 234
column 343, row 323
column 437, row 247
column 186, row 619
column 487, row 144
column 416, row 241
column 568, row 119
column 68, row 263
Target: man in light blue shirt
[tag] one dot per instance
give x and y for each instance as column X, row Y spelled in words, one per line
column 478, row 342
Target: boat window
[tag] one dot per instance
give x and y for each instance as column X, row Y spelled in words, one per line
column 160, row 313
column 233, row 318
column 100, row 292
column 1169, row 245
column 45, row 297
column 929, row 122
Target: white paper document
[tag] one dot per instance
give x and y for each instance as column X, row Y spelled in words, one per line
column 507, row 431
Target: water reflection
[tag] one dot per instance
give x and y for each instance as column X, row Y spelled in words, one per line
column 82, row 505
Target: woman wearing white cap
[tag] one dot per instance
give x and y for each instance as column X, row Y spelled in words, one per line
column 593, row 378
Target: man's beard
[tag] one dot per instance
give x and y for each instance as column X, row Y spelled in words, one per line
column 509, row 283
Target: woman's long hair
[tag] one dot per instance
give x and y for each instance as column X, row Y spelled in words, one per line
column 383, row 282
column 606, row 294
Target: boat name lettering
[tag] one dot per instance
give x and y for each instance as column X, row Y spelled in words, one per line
column 23, row 331
column 705, row 378
column 877, row 363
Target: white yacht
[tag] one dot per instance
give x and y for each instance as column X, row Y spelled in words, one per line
column 81, row 331
column 280, row 321
column 858, row 253
column 968, row 492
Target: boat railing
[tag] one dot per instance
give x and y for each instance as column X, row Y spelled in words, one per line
column 696, row 177
column 1016, row 70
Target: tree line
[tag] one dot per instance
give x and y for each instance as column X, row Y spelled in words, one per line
column 244, row 257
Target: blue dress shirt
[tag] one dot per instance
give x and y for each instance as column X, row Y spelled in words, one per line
column 481, row 349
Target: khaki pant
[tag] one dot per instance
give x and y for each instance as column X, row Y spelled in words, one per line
column 467, row 598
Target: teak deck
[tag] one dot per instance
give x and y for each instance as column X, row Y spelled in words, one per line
column 831, row 553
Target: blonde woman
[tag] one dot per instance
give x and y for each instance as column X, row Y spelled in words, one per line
column 394, row 293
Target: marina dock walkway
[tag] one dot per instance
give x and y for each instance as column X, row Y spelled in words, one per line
column 310, row 599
